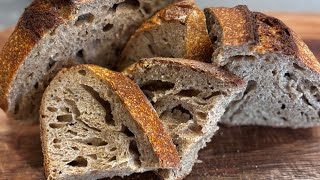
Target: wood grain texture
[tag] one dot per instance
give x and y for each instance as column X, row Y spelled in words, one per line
column 234, row 153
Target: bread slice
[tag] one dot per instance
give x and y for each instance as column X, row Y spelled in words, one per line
column 190, row 97
column 282, row 74
column 97, row 123
column 177, row 31
column 52, row 34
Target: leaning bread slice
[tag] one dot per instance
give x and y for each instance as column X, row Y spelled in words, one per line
column 190, row 97
column 177, row 31
column 97, row 123
column 282, row 74
column 52, row 34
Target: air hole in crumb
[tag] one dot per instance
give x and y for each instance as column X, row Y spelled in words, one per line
column 56, row 141
column 284, row 119
column 93, row 156
column 107, row 27
column 94, row 142
column 195, row 127
column 287, row 75
column 72, row 132
column 83, row 19
column 80, row 54
column 283, row 106
column 113, row 149
column 252, row 85
column 133, row 4
column 274, row 72
column 78, row 162
column 213, row 94
column 157, row 85
column 296, row 66
column 82, row 72
column 182, row 114
column 243, row 57
column 51, row 64
column 52, row 109
column 127, row 132
column 65, row 118
column 16, row 108
column 36, row 85
column 134, row 150
column 56, row 125
column 189, row 93
column 147, row 8
column 105, row 104
column 214, row 39
column 113, row 158
column 56, row 146
column 114, row 7
column 202, row 115
column 151, row 49
column 75, row 148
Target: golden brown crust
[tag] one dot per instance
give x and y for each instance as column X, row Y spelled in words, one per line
column 210, row 69
column 198, row 43
column 40, row 18
column 142, row 112
column 258, row 33
column 236, row 24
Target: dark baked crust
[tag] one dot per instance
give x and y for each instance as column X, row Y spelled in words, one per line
column 40, row 18
column 210, row 69
column 258, row 33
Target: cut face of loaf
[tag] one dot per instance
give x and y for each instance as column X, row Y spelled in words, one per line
column 190, row 97
column 52, row 34
column 97, row 123
column 177, row 31
column 282, row 74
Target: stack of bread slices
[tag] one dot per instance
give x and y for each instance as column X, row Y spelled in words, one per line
column 117, row 93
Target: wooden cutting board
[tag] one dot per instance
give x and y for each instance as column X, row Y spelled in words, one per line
column 234, row 153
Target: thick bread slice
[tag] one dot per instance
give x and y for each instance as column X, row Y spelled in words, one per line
column 190, row 97
column 177, row 31
column 282, row 74
column 52, row 34
column 97, row 123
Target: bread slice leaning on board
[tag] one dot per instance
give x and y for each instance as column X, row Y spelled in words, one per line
column 52, row 34
column 282, row 74
column 96, row 123
column 177, row 31
column 190, row 97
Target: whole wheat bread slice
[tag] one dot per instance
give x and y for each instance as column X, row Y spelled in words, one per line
column 97, row 123
column 190, row 97
column 282, row 74
column 52, row 34
column 177, row 31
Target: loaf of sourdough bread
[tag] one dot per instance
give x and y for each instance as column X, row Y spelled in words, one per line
column 282, row 74
column 96, row 123
column 52, row 34
column 177, row 31
column 190, row 97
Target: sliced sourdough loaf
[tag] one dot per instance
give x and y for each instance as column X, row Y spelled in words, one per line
column 177, row 31
column 97, row 123
column 52, row 34
column 190, row 97
column 282, row 74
